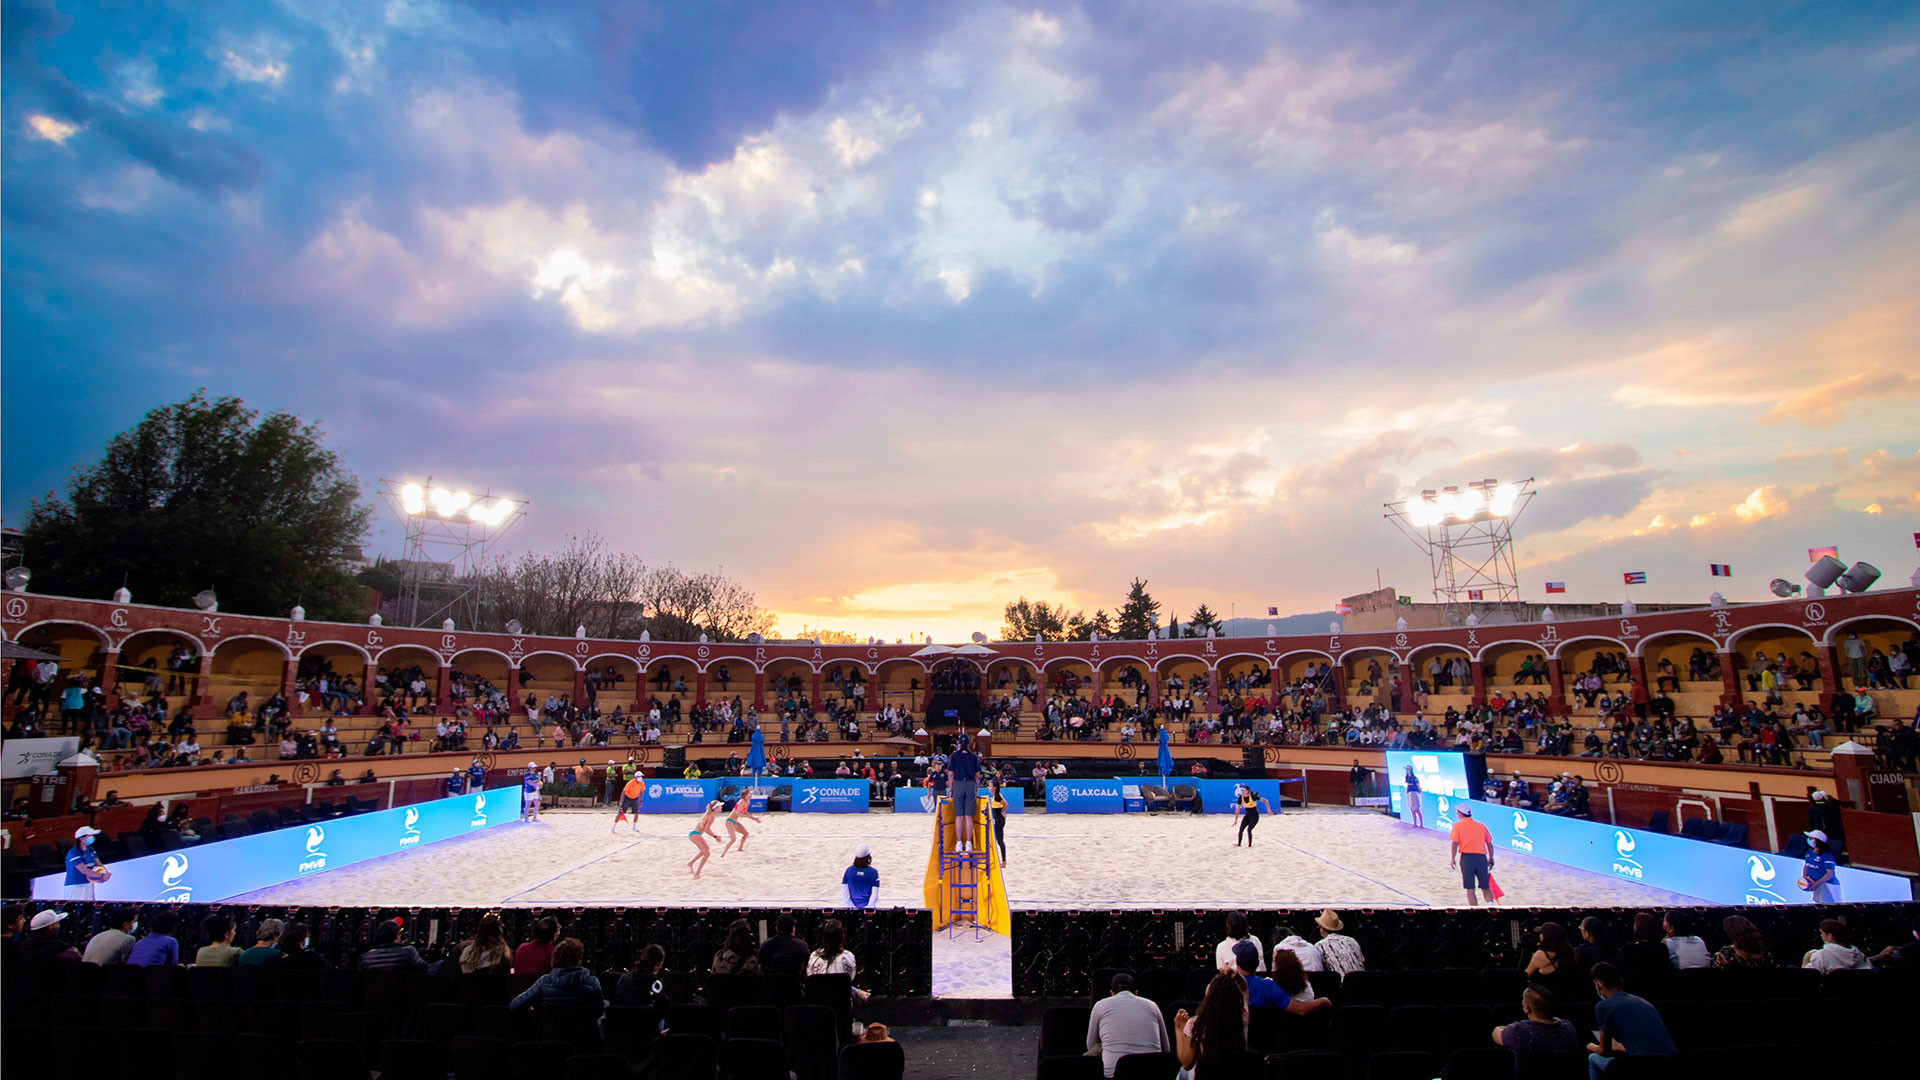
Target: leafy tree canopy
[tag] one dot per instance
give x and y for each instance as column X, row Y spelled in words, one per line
column 207, row 494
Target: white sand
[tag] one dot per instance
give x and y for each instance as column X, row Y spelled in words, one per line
column 1313, row 858
column 966, row 966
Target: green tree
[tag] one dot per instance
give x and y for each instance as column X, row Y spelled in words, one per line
column 1202, row 620
column 1139, row 615
column 207, row 494
column 1025, row 618
column 1173, row 625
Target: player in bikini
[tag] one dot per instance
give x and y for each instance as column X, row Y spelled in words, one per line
column 699, row 837
column 736, row 830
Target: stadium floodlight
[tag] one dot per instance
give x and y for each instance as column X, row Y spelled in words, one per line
column 1783, row 588
column 206, row 601
column 448, row 532
column 1859, row 578
column 1467, row 532
column 1825, row 571
column 17, row 579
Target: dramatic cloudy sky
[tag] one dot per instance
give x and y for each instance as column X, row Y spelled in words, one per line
column 898, row 310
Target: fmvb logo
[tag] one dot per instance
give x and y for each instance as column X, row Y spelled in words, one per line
column 479, row 812
column 1761, row 872
column 172, row 872
column 316, row 859
column 1440, row 805
column 1623, row 863
column 410, row 826
column 1521, row 841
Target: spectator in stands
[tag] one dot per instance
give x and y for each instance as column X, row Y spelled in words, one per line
column 1263, row 991
column 157, row 947
column 44, row 945
column 388, row 954
column 295, row 956
column 219, row 951
column 1339, row 952
column 739, row 955
column 1540, row 1033
column 1238, row 931
column 1307, row 951
column 1288, row 975
column 833, row 957
column 266, row 945
column 1646, row 956
column 643, row 985
column 1749, row 949
column 486, row 953
column 1905, row 955
column 1554, row 964
column 1823, row 816
column 1837, row 951
column 783, row 953
column 568, row 983
column 535, row 955
column 1123, row 1023
column 1683, row 945
column 114, row 944
column 1596, row 946
column 1217, row 1036
column 1627, row 1024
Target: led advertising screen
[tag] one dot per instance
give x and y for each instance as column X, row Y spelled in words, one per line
column 226, row 868
column 1438, row 771
column 1713, row 872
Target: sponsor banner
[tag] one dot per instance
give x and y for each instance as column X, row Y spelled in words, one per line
column 1086, row 796
column 225, row 868
column 919, row 800
column 1713, row 872
column 680, row 796
column 840, row 795
column 31, row 757
column 1216, row 796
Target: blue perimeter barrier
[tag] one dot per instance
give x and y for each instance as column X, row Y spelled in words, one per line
column 919, row 800
column 834, row 795
column 1122, row 794
column 223, row 868
column 1713, row 872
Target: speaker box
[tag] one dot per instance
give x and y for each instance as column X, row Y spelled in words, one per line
column 673, row 756
column 1253, row 761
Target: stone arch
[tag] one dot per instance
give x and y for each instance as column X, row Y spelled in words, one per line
column 145, row 652
column 325, row 648
column 1501, row 661
column 1193, row 672
column 618, row 678
column 1677, row 646
column 245, row 662
column 1357, row 669
column 1882, row 633
column 900, row 681
column 1442, row 683
column 478, row 663
column 1069, row 677
column 547, row 673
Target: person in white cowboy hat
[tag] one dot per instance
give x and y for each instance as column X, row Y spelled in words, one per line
column 83, row 865
column 1340, row 952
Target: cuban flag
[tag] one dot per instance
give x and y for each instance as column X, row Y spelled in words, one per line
column 1635, row 577
column 1720, row 569
column 1476, row 594
column 1556, row 586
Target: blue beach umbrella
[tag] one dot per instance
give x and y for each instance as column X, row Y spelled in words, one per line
column 1166, row 756
column 757, row 755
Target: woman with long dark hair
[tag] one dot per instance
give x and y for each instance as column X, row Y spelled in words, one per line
column 1749, row 949
column 1554, row 963
column 741, row 954
column 485, row 953
column 1217, row 1035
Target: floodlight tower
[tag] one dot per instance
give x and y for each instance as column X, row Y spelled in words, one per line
column 1467, row 535
column 449, row 534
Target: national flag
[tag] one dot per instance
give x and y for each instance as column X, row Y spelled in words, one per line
column 1814, row 554
column 1720, row 569
column 1343, row 609
column 1556, row 586
column 1476, row 594
column 1916, row 539
column 1635, row 577
column 1407, row 601
column 1272, row 611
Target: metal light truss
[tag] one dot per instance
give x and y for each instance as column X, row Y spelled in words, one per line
column 445, row 552
column 1470, row 553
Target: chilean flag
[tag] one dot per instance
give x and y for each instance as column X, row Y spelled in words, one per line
column 1720, row 569
column 1556, row 586
column 1635, row 577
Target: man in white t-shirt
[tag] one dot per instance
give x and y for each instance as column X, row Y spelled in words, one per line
column 1307, row 951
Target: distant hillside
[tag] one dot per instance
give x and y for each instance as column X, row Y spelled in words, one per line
column 1313, row 622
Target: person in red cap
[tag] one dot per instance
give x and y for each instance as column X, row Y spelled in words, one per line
column 1472, row 855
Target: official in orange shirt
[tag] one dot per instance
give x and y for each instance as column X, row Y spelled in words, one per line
column 630, row 797
column 1473, row 855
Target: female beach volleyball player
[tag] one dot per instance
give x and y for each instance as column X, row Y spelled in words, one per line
column 1246, row 809
column 997, row 802
column 699, row 836
column 735, row 829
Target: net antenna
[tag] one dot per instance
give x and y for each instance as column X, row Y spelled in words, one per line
column 1467, row 535
column 449, row 534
